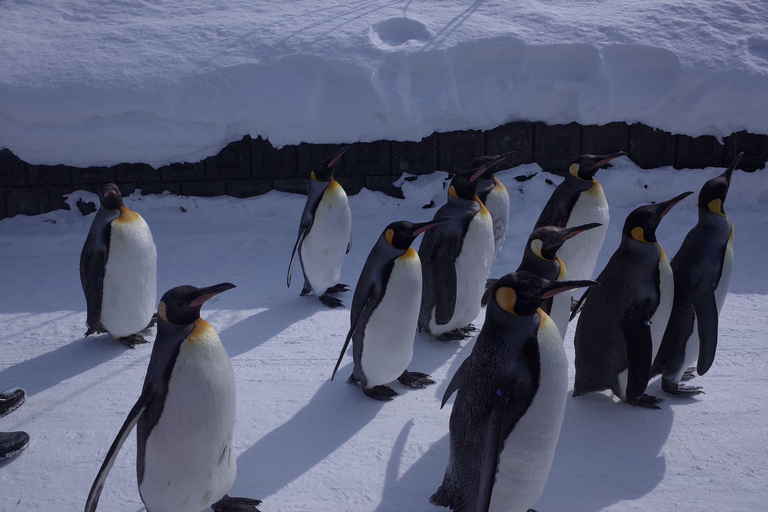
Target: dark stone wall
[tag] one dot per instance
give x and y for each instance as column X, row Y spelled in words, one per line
column 250, row 167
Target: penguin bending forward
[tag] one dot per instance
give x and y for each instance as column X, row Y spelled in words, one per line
column 118, row 271
column 456, row 259
column 702, row 269
column 325, row 235
column 185, row 415
column 579, row 200
column 385, row 313
column 540, row 257
column 510, row 401
column 494, row 195
column 622, row 322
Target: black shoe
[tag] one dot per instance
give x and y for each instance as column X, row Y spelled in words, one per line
column 11, row 400
column 12, row 443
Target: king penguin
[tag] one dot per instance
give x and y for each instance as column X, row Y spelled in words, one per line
column 540, row 257
column 118, row 271
column 510, row 401
column 702, row 269
column 494, row 195
column 185, row 415
column 385, row 313
column 325, row 234
column 456, row 259
column 622, row 322
column 579, row 200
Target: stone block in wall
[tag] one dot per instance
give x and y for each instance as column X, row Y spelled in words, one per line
column 204, row 188
column 183, row 172
column 249, row 188
column 13, row 171
column 697, row 153
column 92, row 175
column 292, row 185
column 517, row 137
column 270, row 162
column 155, row 187
column 309, row 155
column 414, row 157
column 754, row 146
column 457, row 150
column 125, row 173
column 49, row 174
column 368, row 159
column 555, row 146
column 27, row 201
column 650, row 148
column 353, row 184
column 233, row 162
column 604, row 139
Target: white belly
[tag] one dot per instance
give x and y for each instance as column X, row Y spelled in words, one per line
column 580, row 252
column 721, row 290
column 390, row 331
column 527, row 454
column 324, row 247
column 130, row 280
column 189, row 462
column 691, row 350
column 561, row 311
column 497, row 204
column 472, row 268
column 660, row 317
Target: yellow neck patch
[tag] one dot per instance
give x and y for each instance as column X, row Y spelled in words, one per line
column 597, row 188
column 410, row 254
column 389, row 235
column 313, row 176
column 127, row 216
column 716, row 206
column 506, row 298
column 200, row 332
column 483, row 209
column 563, row 270
column 639, row 235
column 730, row 237
column 499, row 184
column 333, row 184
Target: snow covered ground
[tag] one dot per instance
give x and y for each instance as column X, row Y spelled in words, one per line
column 305, row 443
column 86, row 82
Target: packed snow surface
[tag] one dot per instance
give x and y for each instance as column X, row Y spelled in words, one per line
column 86, row 82
column 304, row 443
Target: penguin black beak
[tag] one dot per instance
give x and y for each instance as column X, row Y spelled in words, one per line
column 481, row 170
column 729, row 172
column 572, row 232
column 665, row 206
column 604, row 159
column 337, row 157
column 204, row 294
column 426, row 226
column 555, row 287
column 496, row 165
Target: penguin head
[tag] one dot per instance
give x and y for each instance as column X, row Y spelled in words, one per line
column 323, row 171
column 497, row 163
column 401, row 234
column 713, row 193
column 641, row 224
column 521, row 293
column 181, row 305
column 584, row 167
column 545, row 241
column 110, row 196
column 464, row 184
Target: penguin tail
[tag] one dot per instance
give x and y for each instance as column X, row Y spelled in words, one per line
column 441, row 498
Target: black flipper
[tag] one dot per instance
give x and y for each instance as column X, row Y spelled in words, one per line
column 455, row 383
column 491, row 448
column 354, row 321
column 706, row 317
column 93, row 264
column 444, row 269
column 578, row 305
column 636, row 328
column 303, row 230
column 125, row 430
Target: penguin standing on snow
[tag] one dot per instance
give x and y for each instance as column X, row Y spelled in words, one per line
column 118, row 271
column 324, row 235
column 185, row 415
column 493, row 194
column 579, row 200
column 702, row 269
column 540, row 257
column 456, row 259
column 622, row 322
column 510, row 401
column 385, row 312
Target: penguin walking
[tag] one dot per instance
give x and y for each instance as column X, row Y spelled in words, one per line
column 540, row 257
column 118, row 271
column 494, row 195
column 456, row 259
column 325, row 235
column 579, row 200
column 385, row 313
column 702, row 269
column 510, row 401
column 622, row 323
column 185, row 415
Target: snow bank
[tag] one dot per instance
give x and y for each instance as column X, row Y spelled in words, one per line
column 89, row 83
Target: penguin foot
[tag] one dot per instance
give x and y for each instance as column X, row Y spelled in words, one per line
column 229, row 504
column 12, row 443
column 415, row 380
column 339, row 288
column 456, row 335
column 675, row 389
column 11, row 400
column 152, row 322
column 689, row 374
column 380, row 392
column 648, row 402
column 96, row 330
column 132, row 340
column 306, row 290
column 353, row 380
column 468, row 329
column 331, row 302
